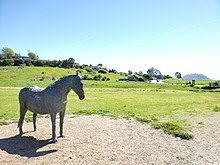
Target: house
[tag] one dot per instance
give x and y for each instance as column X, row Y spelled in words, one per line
column 24, row 58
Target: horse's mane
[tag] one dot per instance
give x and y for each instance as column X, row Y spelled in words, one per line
column 60, row 81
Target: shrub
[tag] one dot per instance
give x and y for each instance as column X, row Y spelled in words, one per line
column 89, row 70
column 18, row 62
column 104, row 78
column 112, row 71
column 37, row 63
column 86, row 77
column 42, row 78
column 216, row 109
column 97, row 77
column 141, row 79
column 131, row 78
column 7, row 62
column 104, row 71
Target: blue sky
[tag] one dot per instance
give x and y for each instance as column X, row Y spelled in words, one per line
column 169, row 35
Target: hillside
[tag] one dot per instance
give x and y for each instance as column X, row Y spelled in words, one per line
column 42, row 76
column 195, row 76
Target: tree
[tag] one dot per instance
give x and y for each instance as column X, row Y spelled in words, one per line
column 70, row 62
column 33, row 56
column 146, row 76
column 130, row 72
column 140, row 73
column 7, row 52
column 155, row 73
column 17, row 55
column 100, row 65
column 178, row 75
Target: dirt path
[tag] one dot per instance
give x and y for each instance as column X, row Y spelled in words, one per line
column 104, row 140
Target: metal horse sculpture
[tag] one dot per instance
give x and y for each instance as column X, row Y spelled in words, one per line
column 51, row 100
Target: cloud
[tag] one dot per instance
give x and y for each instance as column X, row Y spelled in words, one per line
column 74, row 44
column 79, row 42
column 180, row 29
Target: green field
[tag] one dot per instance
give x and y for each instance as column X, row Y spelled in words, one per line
column 165, row 106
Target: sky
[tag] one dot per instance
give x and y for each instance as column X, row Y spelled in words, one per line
column 135, row 35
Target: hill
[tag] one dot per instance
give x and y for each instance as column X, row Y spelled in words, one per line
column 195, row 76
column 42, row 76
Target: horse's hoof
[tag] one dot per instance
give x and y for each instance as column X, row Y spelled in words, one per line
column 54, row 141
column 62, row 136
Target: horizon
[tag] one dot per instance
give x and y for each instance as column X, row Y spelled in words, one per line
column 171, row 36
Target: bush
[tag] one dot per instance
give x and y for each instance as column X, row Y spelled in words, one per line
column 104, row 71
column 18, row 62
column 216, row 109
column 141, row 79
column 78, row 66
column 27, row 63
column 97, row 77
column 42, row 78
column 104, row 78
column 167, row 77
column 112, row 71
column 89, row 70
column 7, row 62
column 86, row 77
column 131, row 78
column 37, row 63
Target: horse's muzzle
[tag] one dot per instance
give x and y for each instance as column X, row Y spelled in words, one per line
column 82, row 97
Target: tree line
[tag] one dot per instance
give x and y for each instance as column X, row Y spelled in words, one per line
column 8, row 57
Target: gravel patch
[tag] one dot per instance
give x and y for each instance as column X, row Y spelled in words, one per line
column 105, row 140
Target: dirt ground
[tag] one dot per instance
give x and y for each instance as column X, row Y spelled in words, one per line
column 106, row 140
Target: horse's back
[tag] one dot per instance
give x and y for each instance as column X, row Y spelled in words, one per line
column 28, row 91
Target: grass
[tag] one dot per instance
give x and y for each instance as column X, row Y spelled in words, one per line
column 164, row 106
column 165, row 109
column 12, row 76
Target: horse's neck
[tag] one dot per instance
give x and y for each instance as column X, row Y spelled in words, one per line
column 60, row 89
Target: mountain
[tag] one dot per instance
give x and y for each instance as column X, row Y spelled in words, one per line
column 195, row 76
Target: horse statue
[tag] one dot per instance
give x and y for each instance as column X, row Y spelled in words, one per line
column 51, row 100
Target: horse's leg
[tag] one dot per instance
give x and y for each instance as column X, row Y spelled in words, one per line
column 62, row 114
column 23, row 111
column 53, row 121
column 34, row 120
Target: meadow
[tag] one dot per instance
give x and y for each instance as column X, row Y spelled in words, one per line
column 164, row 106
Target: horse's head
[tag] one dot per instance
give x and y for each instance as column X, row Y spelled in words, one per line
column 77, row 87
